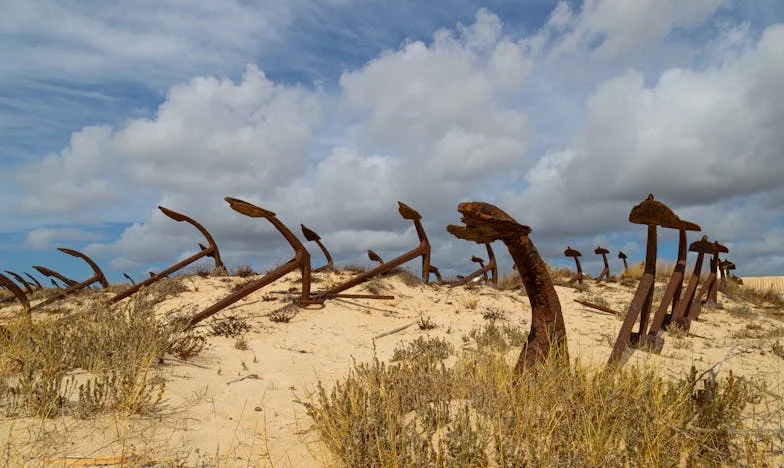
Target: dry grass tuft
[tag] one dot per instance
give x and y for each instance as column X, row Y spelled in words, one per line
column 510, row 281
column 99, row 359
column 244, row 271
column 418, row 411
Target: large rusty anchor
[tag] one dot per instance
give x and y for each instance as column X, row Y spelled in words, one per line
column 725, row 266
column 575, row 254
column 301, row 260
column 701, row 247
column 673, row 292
column 485, row 223
column 211, row 251
column 491, row 267
column 97, row 277
column 49, row 273
column 651, row 213
column 16, row 291
column 313, row 237
column 28, row 289
column 605, row 274
column 708, row 287
column 713, row 292
column 422, row 250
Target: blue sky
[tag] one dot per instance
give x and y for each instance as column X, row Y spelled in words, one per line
column 565, row 114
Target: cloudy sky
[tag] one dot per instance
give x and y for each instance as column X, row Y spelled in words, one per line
column 565, row 114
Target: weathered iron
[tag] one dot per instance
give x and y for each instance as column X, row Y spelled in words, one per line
column 708, row 287
column 422, row 250
column 211, row 251
column 673, row 291
column 623, row 257
column 713, row 292
column 437, row 273
column 301, row 260
column 725, row 266
column 129, row 278
column 575, row 254
column 313, row 237
column 651, row 213
column 485, row 223
column 97, row 277
column 491, row 267
column 374, row 257
column 54, row 284
column 28, row 289
column 605, row 274
column 597, row 307
column 37, row 283
column 679, row 315
column 49, row 273
column 16, row 291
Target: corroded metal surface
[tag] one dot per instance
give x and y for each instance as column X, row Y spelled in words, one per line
column 301, row 260
column 204, row 251
column 32, row 278
column 671, row 293
column 708, row 288
column 575, row 254
column 16, row 291
column 623, row 257
column 97, row 277
column 701, row 247
column 49, row 273
column 422, row 250
column 605, row 274
column 491, row 267
column 313, row 237
column 28, row 289
column 651, row 213
column 485, row 223
column 374, row 257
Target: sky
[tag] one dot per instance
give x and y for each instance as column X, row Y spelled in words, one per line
column 564, row 114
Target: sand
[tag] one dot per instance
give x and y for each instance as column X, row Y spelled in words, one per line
column 237, row 404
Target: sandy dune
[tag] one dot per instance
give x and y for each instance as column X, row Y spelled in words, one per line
column 236, row 407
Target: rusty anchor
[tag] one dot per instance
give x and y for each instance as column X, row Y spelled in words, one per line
column 605, row 274
column 97, row 277
column 51, row 273
column 491, row 267
column 485, row 223
column 17, row 291
column 679, row 315
column 301, row 260
column 32, row 278
column 211, row 251
column 313, row 237
column 54, row 284
column 652, row 213
column 374, row 257
column 623, row 257
column 708, row 287
column 713, row 292
column 422, row 250
column 672, row 293
column 725, row 266
column 575, row 254
column 437, row 273
column 28, row 289
column 129, row 278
